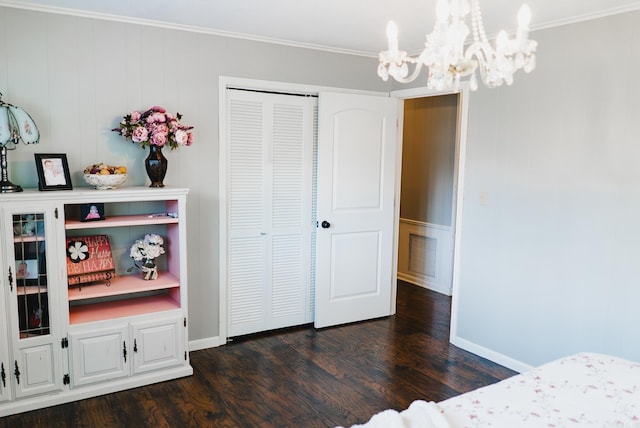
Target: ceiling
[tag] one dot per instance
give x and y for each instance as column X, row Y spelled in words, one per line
column 353, row 26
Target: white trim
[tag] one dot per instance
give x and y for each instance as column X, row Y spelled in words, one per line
column 206, row 343
column 396, row 214
column 424, row 224
column 284, row 87
column 419, row 282
column 494, row 356
column 459, row 208
column 222, row 211
column 18, row 4
column 461, row 150
column 586, row 17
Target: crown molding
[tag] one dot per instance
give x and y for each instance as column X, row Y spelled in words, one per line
column 586, row 17
column 17, row 4
column 21, row 4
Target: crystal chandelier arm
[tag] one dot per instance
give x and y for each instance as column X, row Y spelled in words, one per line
column 414, row 75
column 395, row 63
column 485, row 57
column 445, row 55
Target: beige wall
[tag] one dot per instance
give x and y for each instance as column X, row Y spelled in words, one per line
column 77, row 76
column 428, row 159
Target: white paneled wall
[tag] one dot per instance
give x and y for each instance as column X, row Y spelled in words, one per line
column 77, row 76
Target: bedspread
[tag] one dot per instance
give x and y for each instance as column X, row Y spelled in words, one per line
column 583, row 390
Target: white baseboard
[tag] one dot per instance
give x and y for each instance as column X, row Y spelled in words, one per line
column 496, row 357
column 420, row 283
column 209, row 342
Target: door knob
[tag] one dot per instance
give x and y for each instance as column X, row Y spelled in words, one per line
column 325, row 224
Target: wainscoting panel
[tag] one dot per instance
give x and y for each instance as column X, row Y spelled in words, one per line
column 425, row 255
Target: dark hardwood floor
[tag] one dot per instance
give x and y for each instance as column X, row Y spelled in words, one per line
column 299, row 377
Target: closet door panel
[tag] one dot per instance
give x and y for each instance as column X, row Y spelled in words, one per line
column 247, row 225
column 246, row 166
column 291, row 213
column 270, row 199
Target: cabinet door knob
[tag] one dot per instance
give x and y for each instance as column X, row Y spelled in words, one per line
column 325, row 224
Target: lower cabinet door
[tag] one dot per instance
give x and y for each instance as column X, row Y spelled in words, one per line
column 157, row 344
column 37, row 369
column 100, row 355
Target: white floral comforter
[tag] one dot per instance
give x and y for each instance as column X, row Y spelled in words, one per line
column 583, row 390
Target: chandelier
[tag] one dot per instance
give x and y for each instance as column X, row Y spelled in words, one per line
column 447, row 59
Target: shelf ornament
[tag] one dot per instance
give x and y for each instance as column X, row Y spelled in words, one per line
column 144, row 252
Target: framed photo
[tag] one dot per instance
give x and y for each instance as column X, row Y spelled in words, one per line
column 92, row 212
column 27, row 269
column 53, row 172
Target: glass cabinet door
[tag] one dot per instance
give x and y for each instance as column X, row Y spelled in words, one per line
column 30, row 252
column 36, row 361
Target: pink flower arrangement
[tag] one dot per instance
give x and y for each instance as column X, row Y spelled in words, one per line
column 155, row 127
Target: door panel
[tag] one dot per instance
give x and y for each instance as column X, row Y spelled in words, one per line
column 99, row 355
column 269, row 173
column 157, row 344
column 355, row 279
column 34, row 370
column 356, row 192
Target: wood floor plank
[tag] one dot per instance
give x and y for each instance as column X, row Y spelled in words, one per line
column 299, row 377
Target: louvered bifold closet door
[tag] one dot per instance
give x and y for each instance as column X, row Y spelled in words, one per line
column 270, row 167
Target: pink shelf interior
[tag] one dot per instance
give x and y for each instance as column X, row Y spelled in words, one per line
column 122, row 220
column 124, row 308
column 28, row 238
column 30, row 289
column 128, row 284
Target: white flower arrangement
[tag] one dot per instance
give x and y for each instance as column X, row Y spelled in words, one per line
column 147, row 249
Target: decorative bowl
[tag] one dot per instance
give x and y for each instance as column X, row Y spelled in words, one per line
column 105, row 181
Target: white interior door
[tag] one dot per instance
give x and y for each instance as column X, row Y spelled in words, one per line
column 356, row 189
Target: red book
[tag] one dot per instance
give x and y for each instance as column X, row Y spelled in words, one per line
column 89, row 259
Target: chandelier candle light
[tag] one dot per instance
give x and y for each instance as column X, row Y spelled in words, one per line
column 445, row 55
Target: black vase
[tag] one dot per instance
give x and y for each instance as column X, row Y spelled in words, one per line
column 156, row 165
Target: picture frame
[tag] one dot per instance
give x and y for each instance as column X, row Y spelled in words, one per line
column 27, row 269
column 53, row 171
column 92, row 212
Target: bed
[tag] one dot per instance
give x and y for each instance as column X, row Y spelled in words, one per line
column 582, row 390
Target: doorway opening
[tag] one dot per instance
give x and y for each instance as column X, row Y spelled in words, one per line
column 462, row 108
column 427, row 202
